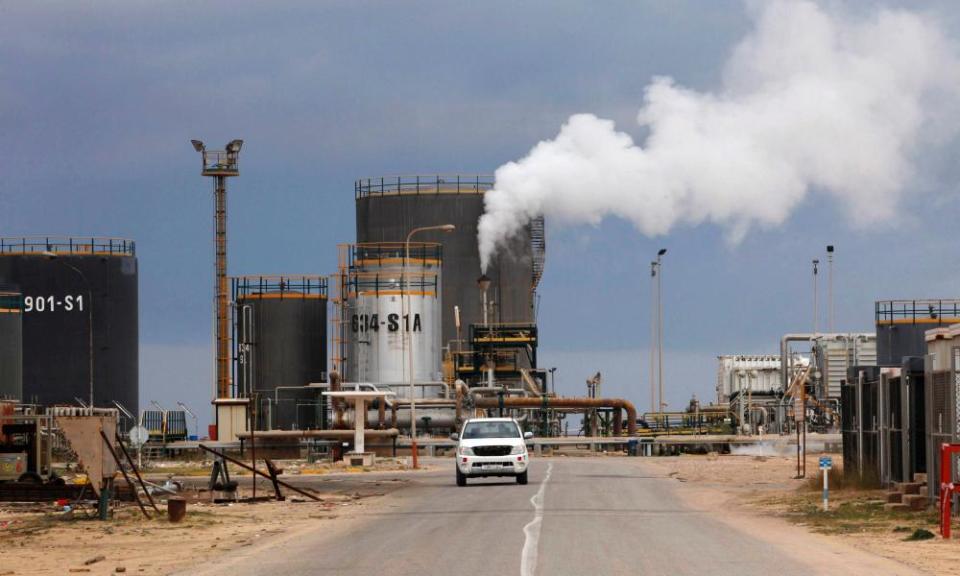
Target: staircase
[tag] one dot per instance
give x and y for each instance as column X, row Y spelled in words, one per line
column 908, row 496
column 538, row 243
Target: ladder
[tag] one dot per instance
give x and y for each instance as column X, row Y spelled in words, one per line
column 538, row 244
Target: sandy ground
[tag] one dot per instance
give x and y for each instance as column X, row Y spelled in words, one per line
column 40, row 540
column 759, row 489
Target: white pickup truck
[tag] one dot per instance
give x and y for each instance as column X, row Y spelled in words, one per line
column 491, row 447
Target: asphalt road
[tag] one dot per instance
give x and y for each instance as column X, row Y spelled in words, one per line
column 577, row 516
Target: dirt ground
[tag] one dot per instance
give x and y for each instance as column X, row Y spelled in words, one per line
column 765, row 486
column 43, row 540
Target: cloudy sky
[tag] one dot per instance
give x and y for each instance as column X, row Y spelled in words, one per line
column 98, row 102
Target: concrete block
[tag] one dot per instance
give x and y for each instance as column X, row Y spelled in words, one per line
column 908, row 487
column 920, row 477
column 915, row 501
column 365, row 459
column 894, row 497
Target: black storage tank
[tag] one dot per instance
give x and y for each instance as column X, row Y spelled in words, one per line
column 281, row 347
column 11, row 346
column 389, row 208
column 902, row 326
column 70, row 285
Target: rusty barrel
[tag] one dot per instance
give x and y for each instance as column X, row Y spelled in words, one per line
column 176, row 508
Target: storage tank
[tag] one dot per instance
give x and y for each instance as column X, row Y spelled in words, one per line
column 388, row 300
column 902, row 325
column 11, row 346
column 70, row 285
column 281, row 347
column 389, row 208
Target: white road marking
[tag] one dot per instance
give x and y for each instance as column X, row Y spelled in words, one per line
column 528, row 558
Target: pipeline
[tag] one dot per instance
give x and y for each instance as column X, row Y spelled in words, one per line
column 329, row 434
column 544, row 402
column 337, row 406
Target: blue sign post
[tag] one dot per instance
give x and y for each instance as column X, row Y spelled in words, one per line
column 826, row 463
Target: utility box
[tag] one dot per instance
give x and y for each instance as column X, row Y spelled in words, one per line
column 231, row 418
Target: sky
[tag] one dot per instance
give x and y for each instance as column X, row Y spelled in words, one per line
column 99, row 100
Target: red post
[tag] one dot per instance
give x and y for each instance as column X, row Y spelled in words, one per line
column 947, row 488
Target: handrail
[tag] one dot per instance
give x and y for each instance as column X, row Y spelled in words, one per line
column 78, row 245
column 423, row 184
column 280, row 284
column 916, row 311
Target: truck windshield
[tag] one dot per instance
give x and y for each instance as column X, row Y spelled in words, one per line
column 480, row 430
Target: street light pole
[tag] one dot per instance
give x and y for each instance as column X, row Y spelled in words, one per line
column 660, row 254
column 653, row 338
column 408, row 336
column 86, row 283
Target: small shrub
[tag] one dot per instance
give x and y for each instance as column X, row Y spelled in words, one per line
column 919, row 534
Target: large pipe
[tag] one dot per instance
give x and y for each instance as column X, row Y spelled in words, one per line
column 546, row 402
column 330, row 434
column 337, row 407
column 806, row 337
column 785, row 351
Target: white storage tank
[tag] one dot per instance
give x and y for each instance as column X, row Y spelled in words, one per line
column 392, row 302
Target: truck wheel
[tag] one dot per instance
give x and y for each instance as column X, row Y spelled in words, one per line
column 522, row 477
column 461, row 478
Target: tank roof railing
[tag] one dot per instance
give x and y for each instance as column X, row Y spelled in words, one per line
column 924, row 311
column 286, row 284
column 423, row 184
column 78, row 245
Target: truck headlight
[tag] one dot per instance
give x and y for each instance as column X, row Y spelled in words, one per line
column 520, row 449
column 466, row 451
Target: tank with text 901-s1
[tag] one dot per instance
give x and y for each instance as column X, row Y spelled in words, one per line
column 393, row 302
column 73, row 288
column 11, row 346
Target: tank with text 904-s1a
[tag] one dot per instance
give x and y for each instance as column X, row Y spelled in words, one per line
column 281, row 347
column 389, row 208
column 72, row 287
column 393, row 302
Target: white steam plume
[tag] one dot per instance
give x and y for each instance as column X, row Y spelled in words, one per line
column 810, row 99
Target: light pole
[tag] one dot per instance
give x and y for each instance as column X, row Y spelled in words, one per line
column 86, row 283
column 660, row 254
column 830, row 285
column 816, row 270
column 196, row 427
column 653, row 338
column 553, row 379
column 408, row 336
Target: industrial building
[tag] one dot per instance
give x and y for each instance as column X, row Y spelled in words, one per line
column 414, row 323
column 896, row 413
